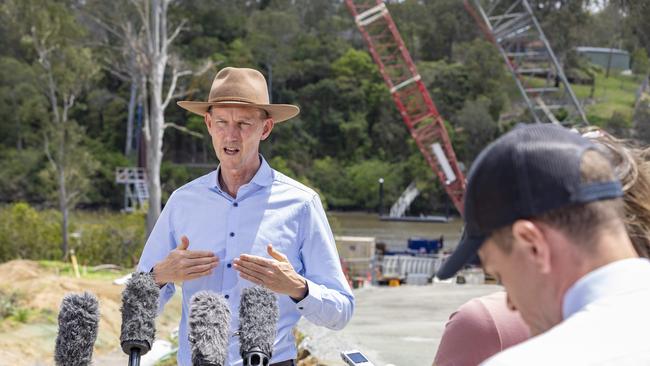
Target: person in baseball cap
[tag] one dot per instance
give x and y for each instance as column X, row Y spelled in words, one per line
column 543, row 212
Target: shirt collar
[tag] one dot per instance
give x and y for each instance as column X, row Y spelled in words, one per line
column 263, row 177
column 611, row 279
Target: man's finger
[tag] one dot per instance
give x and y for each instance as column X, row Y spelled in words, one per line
column 275, row 254
column 254, row 267
column 256, row 281
column 191, row 254
column 194, row 276
column 185, row 242
column 255, row 259
column 260, row 275
column 198, row 269
column 190, row 262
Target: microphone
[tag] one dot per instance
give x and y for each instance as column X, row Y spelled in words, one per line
column 258, row 317
column 78, row 320
column 139, row 306
column 209, row 325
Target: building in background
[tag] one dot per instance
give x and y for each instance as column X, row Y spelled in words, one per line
column 620, row 59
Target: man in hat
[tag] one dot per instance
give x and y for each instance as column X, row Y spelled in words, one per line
column 544, row 213
column 245, row 224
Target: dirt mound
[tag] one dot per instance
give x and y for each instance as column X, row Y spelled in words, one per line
column 41, row 291
column 19, row 270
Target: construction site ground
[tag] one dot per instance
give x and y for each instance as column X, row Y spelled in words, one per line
column 391, row 325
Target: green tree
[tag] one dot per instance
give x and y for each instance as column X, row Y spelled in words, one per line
column 477, row 128
column 63, row 68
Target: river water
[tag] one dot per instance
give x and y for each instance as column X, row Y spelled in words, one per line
column 394, row 233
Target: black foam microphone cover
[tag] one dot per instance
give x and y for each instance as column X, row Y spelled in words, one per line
column 209, row 325
column 258, row 318
column 139, row 307
column 78, row 322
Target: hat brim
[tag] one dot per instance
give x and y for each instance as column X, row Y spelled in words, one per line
column 465, row 251
column 279, row 112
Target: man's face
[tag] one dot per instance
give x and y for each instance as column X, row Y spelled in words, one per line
column 236, row 134
column 528, row 287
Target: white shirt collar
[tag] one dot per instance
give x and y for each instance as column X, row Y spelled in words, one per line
column 611, row 279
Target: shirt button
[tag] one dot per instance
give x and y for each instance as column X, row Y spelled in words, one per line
column 228, row 265
column 227, row 296
column 235, row 204
column 301, row 308
column 232, row 234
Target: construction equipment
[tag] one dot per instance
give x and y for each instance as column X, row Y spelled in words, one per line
column 513, row 28
column 136, row 192
column 409, row 93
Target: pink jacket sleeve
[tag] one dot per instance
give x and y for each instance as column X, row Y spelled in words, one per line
column 479, row 329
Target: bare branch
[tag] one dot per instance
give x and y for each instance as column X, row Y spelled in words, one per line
column 184, row 93
column 172, row 85
column 46, row 148
column 207, row 66
column 71, row 197
column 183, row 129
column 118, row 74
column 105, row 26
column 176, row 32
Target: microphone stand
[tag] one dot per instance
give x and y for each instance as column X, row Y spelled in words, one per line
column 134, row 357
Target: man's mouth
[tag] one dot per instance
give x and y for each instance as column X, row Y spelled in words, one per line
column 230, row 151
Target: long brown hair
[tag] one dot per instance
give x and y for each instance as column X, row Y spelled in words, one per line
column 632, row 167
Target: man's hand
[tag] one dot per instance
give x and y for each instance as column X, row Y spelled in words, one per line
column 276, row 274
column 183, row 265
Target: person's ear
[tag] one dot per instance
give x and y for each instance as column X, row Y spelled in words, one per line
column 268, row 127
column 207, row 117
column 531, row 242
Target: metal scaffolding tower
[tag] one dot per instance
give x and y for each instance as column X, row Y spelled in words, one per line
column 514, row 30
column 136, row 192
column 411, row 97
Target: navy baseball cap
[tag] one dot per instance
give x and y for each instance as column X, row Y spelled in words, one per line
column 526, row 172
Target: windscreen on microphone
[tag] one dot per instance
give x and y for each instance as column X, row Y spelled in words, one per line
column 139, row 307
column 258, row 317
column 78, row 321
column 209, row 324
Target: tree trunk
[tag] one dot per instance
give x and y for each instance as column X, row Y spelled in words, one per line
column 63, row 207
column 155, row 140
column 128, row 146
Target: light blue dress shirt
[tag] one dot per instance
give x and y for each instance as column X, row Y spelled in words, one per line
column 271, row 208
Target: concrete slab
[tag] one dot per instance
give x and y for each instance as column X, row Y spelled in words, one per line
column 399, row 325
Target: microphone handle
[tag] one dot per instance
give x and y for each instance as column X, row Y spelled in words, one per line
column 134, row 357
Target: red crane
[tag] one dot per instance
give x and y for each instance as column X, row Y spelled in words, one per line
column 411, row 97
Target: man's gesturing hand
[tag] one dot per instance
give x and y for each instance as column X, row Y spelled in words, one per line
column 276, row 274
column 182, row 264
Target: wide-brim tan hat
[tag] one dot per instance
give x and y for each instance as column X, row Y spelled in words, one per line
column 241, row 87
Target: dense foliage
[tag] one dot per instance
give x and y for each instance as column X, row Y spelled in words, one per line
column 349, row 133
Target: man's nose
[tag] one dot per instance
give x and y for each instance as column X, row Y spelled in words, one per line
column 232, row 132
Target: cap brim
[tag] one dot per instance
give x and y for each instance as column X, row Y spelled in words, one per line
column 465, row 251
column 279, row 112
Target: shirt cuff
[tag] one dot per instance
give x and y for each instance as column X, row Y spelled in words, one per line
column 312, row 302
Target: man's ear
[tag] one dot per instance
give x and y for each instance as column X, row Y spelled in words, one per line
column 531, row 242
column 208, row 120
column 268, row 127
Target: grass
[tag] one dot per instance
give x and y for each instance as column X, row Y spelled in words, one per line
column 12, row 313
column 615, row 94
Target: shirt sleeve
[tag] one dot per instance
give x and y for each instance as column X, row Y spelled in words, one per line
column 161, row 241
column 329, row 301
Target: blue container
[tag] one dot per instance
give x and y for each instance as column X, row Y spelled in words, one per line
column 425, row 245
